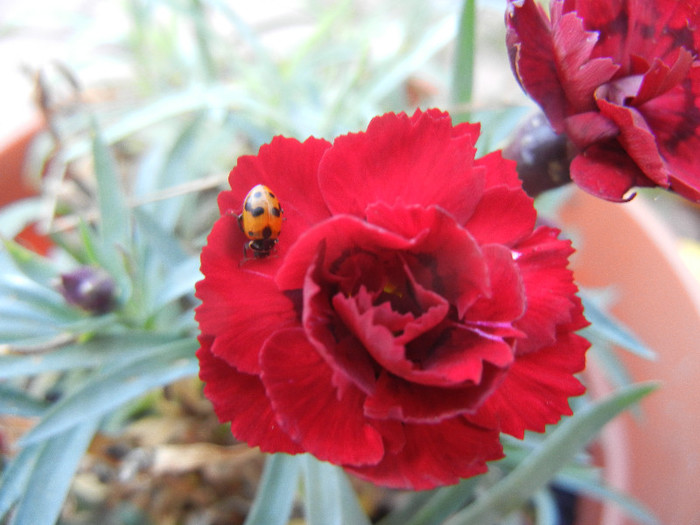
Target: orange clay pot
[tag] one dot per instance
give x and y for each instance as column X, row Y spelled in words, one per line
column 655, row 458
column 13, row 187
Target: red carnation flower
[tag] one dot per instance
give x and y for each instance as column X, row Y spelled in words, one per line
column 410, row 313
column 622, row 80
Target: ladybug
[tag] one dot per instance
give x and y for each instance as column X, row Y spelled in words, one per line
column 261, row 221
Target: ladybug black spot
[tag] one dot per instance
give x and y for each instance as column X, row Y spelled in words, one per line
column 257, row 212
column 267, row 231
column 276, row 212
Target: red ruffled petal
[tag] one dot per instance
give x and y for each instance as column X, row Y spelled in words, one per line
column 290, row 169
column 549, row 288
column 402, row 400
column 606, row 171
column 457, row 269
column 536, row 390
column 373, row 166
column 506, row 301
column 579, row 73
column 502, row 216
column 241, row 399
column 324, row 421
column 498, row 171
column 637, row 140
column 435, row 455
column 337, row 235
column 240, row 307
column 533, row 59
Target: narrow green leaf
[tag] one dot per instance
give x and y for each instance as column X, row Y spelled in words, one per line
column 465, row 52
column 278, row 486
column 50, row 479
column 328, row 496
column 15, row 476
column 401, row 515
column 21, row 288
column 609, row 363
column 539, row 467
column 545, row 508
column 179, row 282
column 111, row 200
column 96, row 352
column 14, row 217
column 178, row 169
column 106, row 391
column 596, row 489
column 444, row 503
column 605, row 326
column 165, row 244
column 18, row 403
column 39, row 269
column 89, row 242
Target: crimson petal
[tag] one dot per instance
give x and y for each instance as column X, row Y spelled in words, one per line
column 290, row 169
column 241, row 311
column 373, row 166
column 328, row 423
column 549, row 288
column 435, row 455
column 403, row 400
column 536, row 389
column 241, row 399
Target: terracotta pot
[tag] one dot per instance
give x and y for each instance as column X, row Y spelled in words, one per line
column 655, row 459
column 13, row 187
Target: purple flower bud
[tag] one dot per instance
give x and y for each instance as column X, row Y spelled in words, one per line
column 89, row 288
column 542, row 155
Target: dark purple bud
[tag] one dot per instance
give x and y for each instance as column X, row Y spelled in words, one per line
column 542, row 156
column 89, row 288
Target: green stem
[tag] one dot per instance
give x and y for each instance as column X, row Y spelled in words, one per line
column 463, row 74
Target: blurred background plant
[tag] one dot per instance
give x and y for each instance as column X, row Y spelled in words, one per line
column 144, row 113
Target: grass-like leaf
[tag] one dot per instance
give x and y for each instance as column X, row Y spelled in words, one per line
column 15, row 476
column 49, row 480
column 115, row 226
column 546, row 508
column 123, row 349
column 329, row 499
column 434, row 509
column 539, row 467
column 14, row 217
column 606, row 327
column 18, row 403
column 114, row 386
column 465, row 51
column 179, row 282
column 37, row 268
column 177, row 169
column 275, row 496
column 595, row 489
column 16, row 288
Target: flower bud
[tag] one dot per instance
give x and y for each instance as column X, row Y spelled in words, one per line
column 89, row 288
column 542, row 155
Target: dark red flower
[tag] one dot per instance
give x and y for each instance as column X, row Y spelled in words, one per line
column 622, row 79
column 411, row 314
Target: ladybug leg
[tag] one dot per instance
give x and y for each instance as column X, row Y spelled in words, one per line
column 245, row 258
